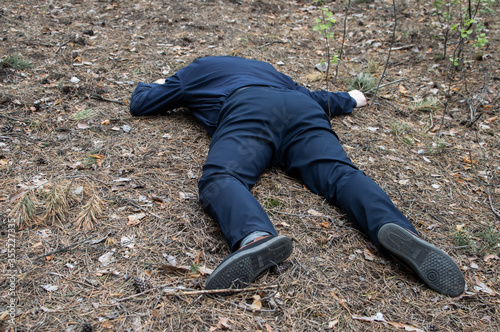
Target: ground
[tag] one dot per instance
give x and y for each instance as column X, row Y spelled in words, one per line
column 102, row 207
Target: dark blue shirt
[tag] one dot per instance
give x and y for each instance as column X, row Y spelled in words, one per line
column 203, row 86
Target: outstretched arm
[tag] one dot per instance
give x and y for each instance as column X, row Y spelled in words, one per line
column 157, row 98
column 335, row 103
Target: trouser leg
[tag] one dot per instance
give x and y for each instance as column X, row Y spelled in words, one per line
column 239, row 152
column 318, row 159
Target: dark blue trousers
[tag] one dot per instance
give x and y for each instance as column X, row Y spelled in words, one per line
column 260, row 127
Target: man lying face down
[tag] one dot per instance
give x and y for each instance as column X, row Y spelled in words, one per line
column 258, row 118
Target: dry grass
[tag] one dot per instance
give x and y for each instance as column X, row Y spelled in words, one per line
column 90, row 213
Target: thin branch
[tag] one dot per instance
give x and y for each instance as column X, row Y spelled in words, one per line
column 343, row 42
column 202, row 291
column 390, row 83
column 488, row 191
column 389, row 54
column 67, row 248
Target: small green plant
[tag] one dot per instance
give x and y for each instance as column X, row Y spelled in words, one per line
column 427, row 104
column 324, row 25
column 462, row 239
column 372, row 66
column 458, row 19
column 272, row 203
column 84, row 114
column 398, row 128
column 16, row 62
column 363, row 82
column 437, row 147
column 408, row 140
column 195, row 268
column 491, row 239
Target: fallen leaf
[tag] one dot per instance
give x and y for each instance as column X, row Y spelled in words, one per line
column 222, row 324
column 490, row 256
column 135, row 219
column 107, row 325
column 324, row 224
column 186, row 195
column 406, row 327
column 378, row 317
column 127, row 241
column 481, row 287
column 82, row 125
column 332, row 324
column 96, row 156
column 315, row 213
column 257, row 303
column 369, row 256
column 205, row 270
column 403, row 90
column 107, row 258
column 49, row 288
column 395, row 159
column 122, row 180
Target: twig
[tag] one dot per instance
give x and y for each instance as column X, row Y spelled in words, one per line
column 101, row 98
column 390, row 83
column 67, row 248
column 218, row 291
column 271, row 42
column 140, row 207
column 401, row 47
column 488, row 191
column 64, row 44
column 390, row 49
column 13, row 119
column 343, row 42
column 202, row 291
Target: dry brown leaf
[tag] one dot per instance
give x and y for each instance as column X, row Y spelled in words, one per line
column 324, row 224
column 315, row 213
column 403, row 90
column 369, row 256
column 257, row 304
column 396, row 159
column 490, row 256
column 135, row 219
column 406, row 327
column 223, row 324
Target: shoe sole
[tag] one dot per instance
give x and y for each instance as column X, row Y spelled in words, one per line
column 241, row 269
column 436, row 269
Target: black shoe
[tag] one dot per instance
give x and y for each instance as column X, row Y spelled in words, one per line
column 243, row 266
column 436, row 269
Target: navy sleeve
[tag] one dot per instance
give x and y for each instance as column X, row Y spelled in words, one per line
column 152, row 99
column 333, row 103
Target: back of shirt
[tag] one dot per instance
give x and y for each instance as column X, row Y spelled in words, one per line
column 204, row 85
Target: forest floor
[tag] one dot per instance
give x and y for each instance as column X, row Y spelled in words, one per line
column 109, row 234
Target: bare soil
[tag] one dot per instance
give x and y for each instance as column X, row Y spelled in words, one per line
column 116, row 240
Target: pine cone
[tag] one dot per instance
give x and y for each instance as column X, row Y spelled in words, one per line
column 86, row 327
column 141, row 284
